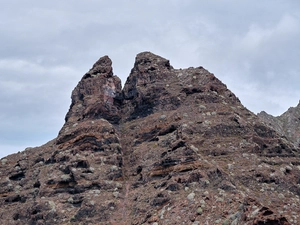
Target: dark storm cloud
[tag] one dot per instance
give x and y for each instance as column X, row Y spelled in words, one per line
column 47, row 46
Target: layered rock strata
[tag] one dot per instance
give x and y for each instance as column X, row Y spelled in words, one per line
column 175, row 146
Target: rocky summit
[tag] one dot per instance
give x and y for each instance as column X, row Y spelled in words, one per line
column 174, row 146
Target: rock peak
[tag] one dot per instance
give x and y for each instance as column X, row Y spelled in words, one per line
column 96, row 95
column 287, row 124
column 102, row 67
column 163, row 150
column 147, row 61
column 148, row 55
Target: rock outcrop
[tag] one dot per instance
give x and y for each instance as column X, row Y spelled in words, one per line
column 175, row 146
column 287, row 124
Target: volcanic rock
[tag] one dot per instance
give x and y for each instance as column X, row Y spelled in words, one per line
column 175, row 146
column 287, row 124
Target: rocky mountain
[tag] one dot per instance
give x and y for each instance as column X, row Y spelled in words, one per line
column 287, row 124
column 174, row 146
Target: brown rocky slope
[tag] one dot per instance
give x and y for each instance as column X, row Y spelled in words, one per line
column 175, row 146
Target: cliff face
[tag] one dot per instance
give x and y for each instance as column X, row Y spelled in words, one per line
column 175, row 146
column 287, row 124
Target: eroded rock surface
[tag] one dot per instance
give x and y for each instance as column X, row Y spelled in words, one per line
column 175, row 146
column 287, row 124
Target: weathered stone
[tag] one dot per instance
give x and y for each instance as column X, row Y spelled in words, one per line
column 287, row 124
column 191, row 196
column 199, row 210
column 153, row 153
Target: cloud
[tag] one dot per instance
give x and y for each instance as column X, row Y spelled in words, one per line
column 47, row 46
column 270, row 53
column 259, row 38
column 260, row 63
column 34, row 99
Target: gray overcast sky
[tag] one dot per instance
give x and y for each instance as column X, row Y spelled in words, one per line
column 47, row 46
